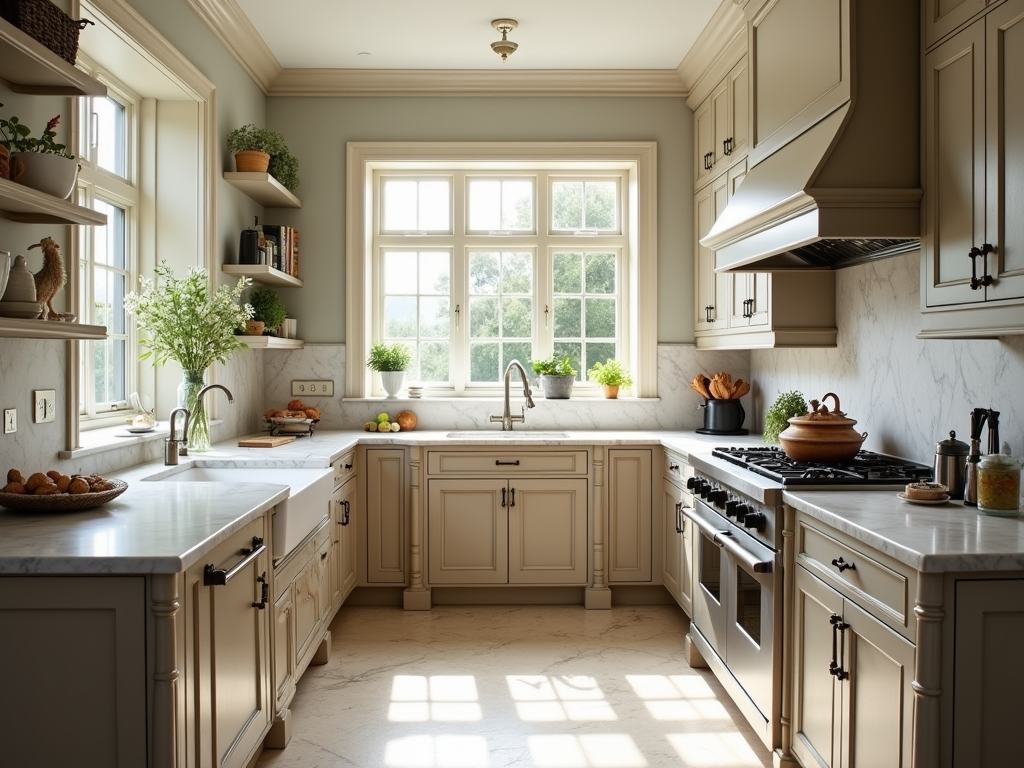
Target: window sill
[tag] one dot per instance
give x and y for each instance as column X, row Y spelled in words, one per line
column 95, row 441
column 588, row 399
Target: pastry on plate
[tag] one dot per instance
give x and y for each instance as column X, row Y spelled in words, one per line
column 926, row 491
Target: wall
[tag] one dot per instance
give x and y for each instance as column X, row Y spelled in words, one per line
column 906, row 393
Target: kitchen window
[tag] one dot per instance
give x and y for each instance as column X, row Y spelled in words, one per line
column 488, row 256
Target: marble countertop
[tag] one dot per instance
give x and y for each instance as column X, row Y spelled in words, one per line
column 946, row 537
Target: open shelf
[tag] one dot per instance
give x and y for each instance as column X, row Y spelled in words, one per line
column 263, row 188
column 30, row 206
column 28, row 66
column 272, row 342
column 262, row 273
column 15, row 328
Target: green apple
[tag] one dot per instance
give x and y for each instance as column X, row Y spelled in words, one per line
column 383, row 418
column 370, row 426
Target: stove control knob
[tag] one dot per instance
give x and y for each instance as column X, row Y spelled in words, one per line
column 731, row 507
column 703, row 488
column 692, row 482
column 717, row 497
column 756, row 520
column 742, row 510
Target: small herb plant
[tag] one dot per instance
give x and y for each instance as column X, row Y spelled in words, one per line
column 285, row 168
column 268, row 307
column 786, row 406
column 249, row 137
column 553, row 367
column 17, row 137
column 388, row 357
column 610, row 373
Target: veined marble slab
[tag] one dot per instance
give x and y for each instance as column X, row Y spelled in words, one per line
column 947, row 537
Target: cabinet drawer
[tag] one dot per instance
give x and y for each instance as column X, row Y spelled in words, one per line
column 676, row 468
column 344, row 468
column 874, row 580
column 507, row 463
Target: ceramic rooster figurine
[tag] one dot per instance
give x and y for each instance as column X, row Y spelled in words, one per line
column 51, row 278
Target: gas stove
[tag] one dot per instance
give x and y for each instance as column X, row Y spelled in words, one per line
column 866, row 468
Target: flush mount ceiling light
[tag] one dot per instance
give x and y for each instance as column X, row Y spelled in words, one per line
column 504, row 47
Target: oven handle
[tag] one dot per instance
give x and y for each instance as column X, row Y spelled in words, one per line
column 727, row 541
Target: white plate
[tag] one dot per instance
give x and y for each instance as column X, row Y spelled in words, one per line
column 904, row 497
column 140, row 430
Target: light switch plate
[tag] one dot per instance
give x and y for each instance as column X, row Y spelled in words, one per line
column 312, row 388
column 10, row 420
column 44, row 407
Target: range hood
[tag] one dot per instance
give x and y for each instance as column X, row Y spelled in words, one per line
column 845, row 188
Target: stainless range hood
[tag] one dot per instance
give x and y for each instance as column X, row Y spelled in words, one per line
column 845, row 188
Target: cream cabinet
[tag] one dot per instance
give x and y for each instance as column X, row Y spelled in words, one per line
column 344, row 526
column 941, row 17
column 720, row 126
column 677, row 532
column 629, row 512
column 973, row 248
column 385, row 516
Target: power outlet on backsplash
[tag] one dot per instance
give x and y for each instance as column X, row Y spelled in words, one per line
column 312, row 388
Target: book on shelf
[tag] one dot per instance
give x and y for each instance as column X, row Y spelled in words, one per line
column 286, row 258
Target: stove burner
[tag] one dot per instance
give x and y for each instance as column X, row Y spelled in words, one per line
column 866, row 468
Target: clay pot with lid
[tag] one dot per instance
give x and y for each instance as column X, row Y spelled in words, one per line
column 822, row 435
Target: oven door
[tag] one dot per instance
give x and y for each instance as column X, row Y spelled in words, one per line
column 734, row 602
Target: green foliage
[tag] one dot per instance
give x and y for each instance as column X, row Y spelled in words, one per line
column 610, row 373
column 284, row 167
column 388, row 357
column 553, row 366
column 184, row 322
column 786, row 406
column 259, row 139
column 268, row 307
column 17, row 137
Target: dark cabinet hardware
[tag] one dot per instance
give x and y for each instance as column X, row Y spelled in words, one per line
column 500, row 463
column 323, row 556
column 679, row 517
column 512, row 495
column 264, row 588
column 709, row 163
column 707, row 313
column 986, row 278
column 748, row 308
column 838, row 627
column 348, row 466
column 218, row 577
column 727, row 146
column 504, row 502
column 673, row 467
column 842, row 565
column 344, row 518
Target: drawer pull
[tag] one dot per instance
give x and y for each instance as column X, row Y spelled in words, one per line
column 834, row 667
column 262, row 579
column 512, row 503
column 500, row 463
column 673, row 467
column 348, row 466
column 842, row 565
column 503, row 500
column 348, row 508
column 218, row 577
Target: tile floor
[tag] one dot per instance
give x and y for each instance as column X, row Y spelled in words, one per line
column 524, row 686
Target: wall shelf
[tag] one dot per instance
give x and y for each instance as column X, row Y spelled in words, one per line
column 15, row 328
column 30, row 206
column 262, row 273
column 263, row 188
column 28, row 66
column 272, row 342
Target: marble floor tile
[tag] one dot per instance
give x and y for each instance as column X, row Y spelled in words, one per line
column 523, row 686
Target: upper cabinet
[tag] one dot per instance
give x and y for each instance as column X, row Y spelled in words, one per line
column 973, row 248
column 720, row 126
column 944, row 16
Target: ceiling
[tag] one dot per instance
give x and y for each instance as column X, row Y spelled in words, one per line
column 456, row 34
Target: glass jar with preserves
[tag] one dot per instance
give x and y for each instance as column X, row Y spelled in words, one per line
column 999, row 485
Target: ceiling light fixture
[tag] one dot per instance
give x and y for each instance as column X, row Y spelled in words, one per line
column 504, row 47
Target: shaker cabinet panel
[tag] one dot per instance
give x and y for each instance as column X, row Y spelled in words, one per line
column 467, row 525
column 547, row 531
column 629, row 515
column 385, row 515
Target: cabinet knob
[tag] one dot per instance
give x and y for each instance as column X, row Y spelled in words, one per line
column 842, row 565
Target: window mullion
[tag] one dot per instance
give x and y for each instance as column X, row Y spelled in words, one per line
column 460, row 286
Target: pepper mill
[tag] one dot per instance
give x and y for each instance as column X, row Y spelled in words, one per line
column 993, row 432
column 978, row 417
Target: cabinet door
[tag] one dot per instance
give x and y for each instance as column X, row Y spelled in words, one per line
column 547, row 531
column 1004, row 52
column 954, row 103
column 672, row 539
column 629, row 515
column 704, row 142
column 713, row 289
column 815, row 695
column 739, row 110
column 229, row 681
column 310, row 586
column 347, row 525
column 284, row 648
column 73, row 665
column 467, row 531
column 720, row 113
column 943, row 16
column 385, row 515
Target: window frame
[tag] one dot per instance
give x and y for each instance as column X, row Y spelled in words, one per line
column 636, row 159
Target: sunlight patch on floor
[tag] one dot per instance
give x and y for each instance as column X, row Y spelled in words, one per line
column 445, row 751
column 442, row 698
column 598, row 750
column 540, row 698
column 714, row 750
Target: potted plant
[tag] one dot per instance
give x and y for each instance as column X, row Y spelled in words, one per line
column 268, row 312
column 284, row 167
column 192, row 327
column 40, row 163
column 253, row 147
column 611, row 375
column 556, row 377
column 786, row 406
column 391, row 362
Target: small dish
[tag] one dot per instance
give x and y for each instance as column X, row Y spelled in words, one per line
column 904, row 497
column 140, row 430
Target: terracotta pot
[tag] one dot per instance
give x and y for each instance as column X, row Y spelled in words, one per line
column 254, row 327
column 611, row 391
column 252, row 160
column 822, row 435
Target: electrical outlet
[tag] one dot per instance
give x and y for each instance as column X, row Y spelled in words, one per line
column 10, row 420
column 45, row 405
column 313, row 388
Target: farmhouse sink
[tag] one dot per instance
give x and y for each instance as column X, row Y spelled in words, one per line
column 507, row 435
column 309, row 496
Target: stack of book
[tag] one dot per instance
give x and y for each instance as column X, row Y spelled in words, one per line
column 286, row 255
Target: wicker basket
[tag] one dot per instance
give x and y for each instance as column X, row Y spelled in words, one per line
column 44, row 21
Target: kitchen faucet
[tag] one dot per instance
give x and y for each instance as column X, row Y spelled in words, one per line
column 175, row 446
column 506, row 417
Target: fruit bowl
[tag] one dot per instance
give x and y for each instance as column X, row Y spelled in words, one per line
column 61, row 502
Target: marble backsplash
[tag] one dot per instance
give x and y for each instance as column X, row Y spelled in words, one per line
column 906, row 393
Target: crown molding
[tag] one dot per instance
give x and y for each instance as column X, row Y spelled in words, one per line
column 239, row 36
column 719, row 47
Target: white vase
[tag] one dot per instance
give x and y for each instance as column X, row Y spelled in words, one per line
column 48, row 173
column 392, row 382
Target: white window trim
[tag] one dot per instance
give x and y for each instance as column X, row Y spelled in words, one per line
column 638, row 158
